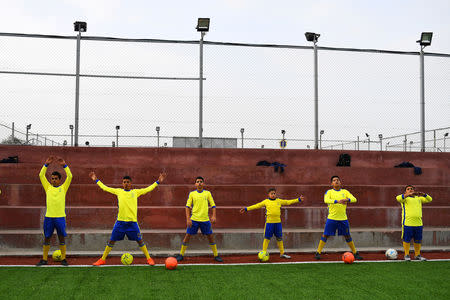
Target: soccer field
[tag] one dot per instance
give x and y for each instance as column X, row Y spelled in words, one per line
column 397, row 280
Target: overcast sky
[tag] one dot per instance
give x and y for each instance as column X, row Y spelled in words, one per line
column 390, row 25
column 367, row 24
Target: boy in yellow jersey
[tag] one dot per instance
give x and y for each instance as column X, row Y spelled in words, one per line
column 197, row 217
column 337, row 199
column 55, row 215
column 273, row 218
column 126, row 223
column 412, row 225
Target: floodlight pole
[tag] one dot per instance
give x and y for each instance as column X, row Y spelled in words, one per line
column 77, row 88
column 316, row 98
column 200, row 133
column 422, row 101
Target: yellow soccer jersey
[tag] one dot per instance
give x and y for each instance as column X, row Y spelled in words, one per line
column 56, row 196
column 412, row 209
column 127, row 200
column 337, row 211
column 273, row 208
column 198, row 202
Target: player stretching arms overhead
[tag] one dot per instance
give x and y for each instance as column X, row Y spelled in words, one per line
column 412, row 225
column 337, row 199
column 55, row 216
column 197, row 217
column 273, row 218
column 126, row 223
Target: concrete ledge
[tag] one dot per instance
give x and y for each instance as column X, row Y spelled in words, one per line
column 230, row 240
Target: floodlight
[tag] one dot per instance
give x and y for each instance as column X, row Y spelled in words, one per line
column 202, row 25
column 242, row 130
column 311, row 36
column 158, row 128
column 117, row 127
column 425, row 39
column 322, row 131
column 80, row 26
column 380, row 136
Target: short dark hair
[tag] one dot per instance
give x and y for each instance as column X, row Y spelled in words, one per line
column 126, row 177
column 56, row 173
column 200, row 177
column 409, row 186
column 272, row 189
column 334, row 176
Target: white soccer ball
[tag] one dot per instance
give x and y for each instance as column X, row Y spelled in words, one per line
column 391, row 254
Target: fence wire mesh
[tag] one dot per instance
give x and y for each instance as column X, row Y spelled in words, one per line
column 143, row 85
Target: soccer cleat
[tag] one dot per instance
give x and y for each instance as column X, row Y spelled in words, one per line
column 317, row 255
column 407, row 258
column 420, row 258
column 179, row 257
column 41, row 263
column 218, row 258
column 150, row 261
column 64, row 262
column 285, row 256
column 357, row 256
column 99, row 262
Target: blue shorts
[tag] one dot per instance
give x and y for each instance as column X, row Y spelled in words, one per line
column 122, row 228
column 51, row 223
column 342, row 227
column 205, row 227
column 410, row 232
column 272, row 229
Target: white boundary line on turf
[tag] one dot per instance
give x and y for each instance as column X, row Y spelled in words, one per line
column 223, row 265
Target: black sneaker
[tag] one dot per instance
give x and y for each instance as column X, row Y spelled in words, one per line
column 179, row 257
column 64, row 262
column 357, row 256
column 42, row 263
column 317, row 255
column 218, row 258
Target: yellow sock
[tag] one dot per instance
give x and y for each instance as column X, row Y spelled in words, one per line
column 417, row 249
column 46, row 248
column 321, row 245
column 265, row 244
column 281, row 247
column 406, row 247
column 214, row 249
column 144, row 249
column 106, row 252
column 183, row 248
column 63, row 251
column 352, row 246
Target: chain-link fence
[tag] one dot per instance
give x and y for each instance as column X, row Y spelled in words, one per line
column 140, row 85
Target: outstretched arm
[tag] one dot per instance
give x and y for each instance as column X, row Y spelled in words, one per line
column 150, row 188
column 289, row 202
column 102, row 186
column 255, row 206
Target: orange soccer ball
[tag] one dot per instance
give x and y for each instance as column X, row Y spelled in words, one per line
column 171, row 263
column 348, row 257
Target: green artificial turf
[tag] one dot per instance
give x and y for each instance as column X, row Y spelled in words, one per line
column 402, row 280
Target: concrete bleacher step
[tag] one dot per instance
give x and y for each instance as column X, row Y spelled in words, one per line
column 228, row 240
column 164, row 157
column 238, row 194
column 231, row 174
column 170, row 217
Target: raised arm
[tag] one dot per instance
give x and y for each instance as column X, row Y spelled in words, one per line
column 150, row 188
column 42, row 177
column 102, row 186
column 69, row 176
column 350, row 197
